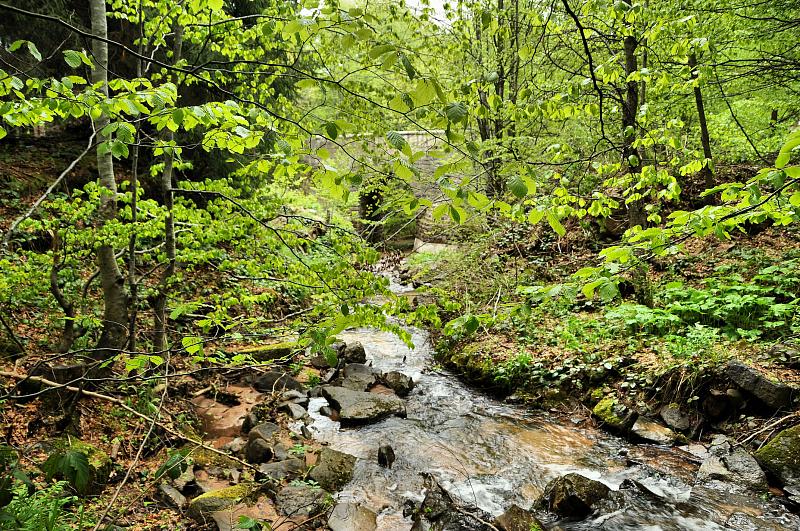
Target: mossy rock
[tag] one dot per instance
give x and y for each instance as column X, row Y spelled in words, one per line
column 781, row 455
column 99, row 464
column 614, row 415
column 269, row 352
column 216, row 500
column 206, row 458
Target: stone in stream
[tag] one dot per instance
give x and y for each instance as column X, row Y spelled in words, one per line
column 334, row 469
column 574, row 495
column 614, row 415
column 297, row 397
column 274, row 381
column 302, row 500
column 518, row 519
column 651, row 431
column 385, row 456
column 354, row 353
column 349, row 516
column 439, row 510
column 731, row 469
column 774, row 394
column 781, row 456
column 398, row 382
column 358, row 377
column 359, row 407
column 294, row 411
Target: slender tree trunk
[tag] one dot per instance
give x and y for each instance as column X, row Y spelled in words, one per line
column 636, row 214
column 706, row 172
column 115, row 314
column 160, row 342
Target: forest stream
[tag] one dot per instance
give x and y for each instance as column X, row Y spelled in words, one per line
column 490, row 454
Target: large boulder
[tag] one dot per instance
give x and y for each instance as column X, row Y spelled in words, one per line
column 614, row 415
column 334, row 469
column 772, row 393
column 202, row 507
column 360, row 407
column 281, row 470
column 274, row 381
column 358, row 377
column 518, row 519
column 398, row 382
column 781, row 456
column 574, row 495
column 348, row 516
column 302, row 500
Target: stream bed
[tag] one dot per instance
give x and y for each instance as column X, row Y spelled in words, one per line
column 491, row 454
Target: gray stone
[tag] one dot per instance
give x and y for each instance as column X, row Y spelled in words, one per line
column 398, row 382
column 319, row 362
column 265, row 430
column 518, row 519
column 574, row 495
column 360, row 407
column 781, row 456
column 731, row 468
column 281, row 470
column 172, row 496
column 301, row 500
column 236, row 445
column 280, row 452
column 358, row 377
column 674, row 417
column 774, row 394
column 258, row 451
column 334, row 469
column 352, row 517
column 294, row 411
column 274, row 381
column 298, row 397
column 354, row 353
column 250, row 420
column 652, row 431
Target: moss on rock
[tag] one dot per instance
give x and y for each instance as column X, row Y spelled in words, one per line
column 781, row 455
column 217, row 500
column 272, row 351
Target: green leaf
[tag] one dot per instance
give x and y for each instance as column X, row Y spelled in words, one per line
column 397, row 141
column 408, row 66
column 379, row 50
column 72, row 58
column 215, row 5
column 456, row 112
column 552, row 219
column 34, row 51
column 175, row 465
column 517, row 186
column 332, row 130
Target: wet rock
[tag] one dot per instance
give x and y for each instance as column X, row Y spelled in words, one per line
column 676, row 418
column 398, row 382
column 306, row 432
column 172, row 496
column 651, row 431
column 614, row 415
column 301, row 500
column 358, row 377
column 574, row 495
column 297, row 397
column 294, row 411
column 354, row 353
column 441, row 512
column 202, row 506
column 281, row 470
column 731, row 468
column 265, row 431
column 518, row 519
column 772, row 393
column 258, row 451
column 334, row 469
column 352, row 517
column 315, row 392
column 273, row 381
column 385, row 456
column 781, row 456
column 360, row 407
column 329, row 412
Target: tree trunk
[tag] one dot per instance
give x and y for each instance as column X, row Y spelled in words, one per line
column 115, row 314
column 706, row 172
column 160, row 342
column 636, row 214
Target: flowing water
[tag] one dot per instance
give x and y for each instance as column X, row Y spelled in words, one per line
column 491, row 454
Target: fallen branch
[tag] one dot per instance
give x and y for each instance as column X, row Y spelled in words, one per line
column 769, row 427
column 130, row 410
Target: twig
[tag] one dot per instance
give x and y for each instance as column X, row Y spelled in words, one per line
column 35, row 205
column 11, row 333
column 768, row 427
